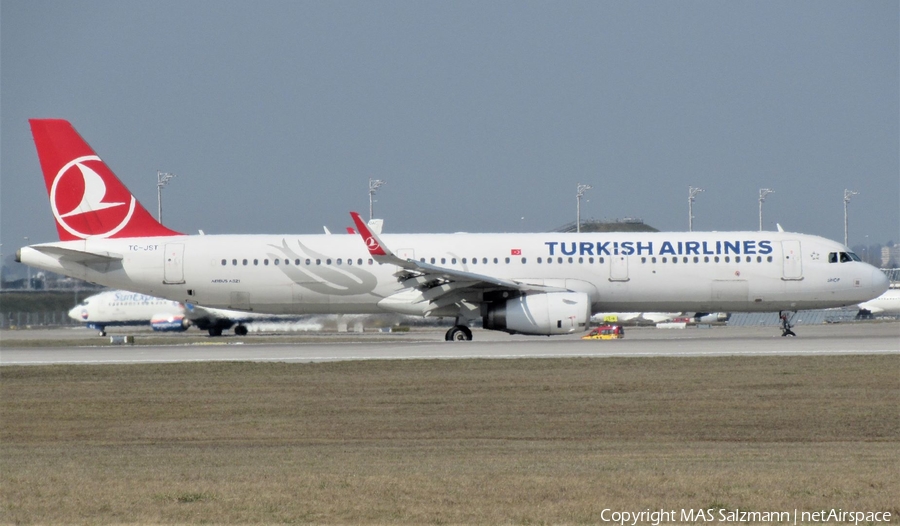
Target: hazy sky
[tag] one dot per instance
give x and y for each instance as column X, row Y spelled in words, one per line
column 481, row 116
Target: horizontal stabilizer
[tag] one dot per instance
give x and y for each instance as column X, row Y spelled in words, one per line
column 78, row 256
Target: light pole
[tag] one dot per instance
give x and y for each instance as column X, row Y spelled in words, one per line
column 692, row 193
column 162, row 179
column 763, row 192
column 580, row 189
column 374, row 184
column 847, row 195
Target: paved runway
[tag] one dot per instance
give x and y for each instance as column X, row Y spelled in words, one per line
column 839, row 339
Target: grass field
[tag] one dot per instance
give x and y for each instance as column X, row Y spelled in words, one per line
column 447, row 441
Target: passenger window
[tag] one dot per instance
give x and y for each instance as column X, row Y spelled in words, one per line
column 328, row 261
column 318, row 261
column 600, row 260
column 559, row 260
column 495, row 261
column 664, row 259
column 696, row 259
column 432, row 261
column 308, row 261
column 234, row 262
column 507, row 260
column 359, row 261
column 266, row 262
column 256, row 262
column 524, row 261
column 571, row 260
column 653, row 260
column 539, row 260
column 277, row 261
column 224, row 262
column 591, row 260
column 245, row 262
column 727, row 259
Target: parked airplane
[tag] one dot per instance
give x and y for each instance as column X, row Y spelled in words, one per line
column 123, row 308
column 541, row 284
column 888, row 304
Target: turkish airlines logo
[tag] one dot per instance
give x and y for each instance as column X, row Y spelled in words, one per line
column 84, row 204
column 372, row 244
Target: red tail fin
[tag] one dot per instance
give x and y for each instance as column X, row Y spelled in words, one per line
column 86, row 197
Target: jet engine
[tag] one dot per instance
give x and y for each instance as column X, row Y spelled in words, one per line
column 168, row 322
column 540, row 314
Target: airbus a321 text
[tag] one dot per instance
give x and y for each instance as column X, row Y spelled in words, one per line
column 540, row 284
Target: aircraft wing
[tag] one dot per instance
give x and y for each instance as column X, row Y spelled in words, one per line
column 424, row 276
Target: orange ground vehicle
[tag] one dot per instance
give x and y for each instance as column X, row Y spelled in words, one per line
column 605, row 332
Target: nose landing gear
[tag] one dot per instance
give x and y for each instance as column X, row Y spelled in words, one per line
column 786, row 324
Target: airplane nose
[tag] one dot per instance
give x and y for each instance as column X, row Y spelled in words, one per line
column 75, row 313
column 880, row 282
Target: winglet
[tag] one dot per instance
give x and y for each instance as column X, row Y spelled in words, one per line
column 373, row 242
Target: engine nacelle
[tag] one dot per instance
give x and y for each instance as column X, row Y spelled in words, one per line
column 168, row 322
column 541, row 314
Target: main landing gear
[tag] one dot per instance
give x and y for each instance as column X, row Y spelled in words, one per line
column 459, row 333
column 785, row 324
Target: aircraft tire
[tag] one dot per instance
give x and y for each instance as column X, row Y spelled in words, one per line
column 215, row 331
column 459, row 333
column 240, row 330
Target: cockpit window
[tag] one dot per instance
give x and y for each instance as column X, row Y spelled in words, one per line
column 842, row 257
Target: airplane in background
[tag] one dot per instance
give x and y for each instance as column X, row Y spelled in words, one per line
column 123, row 308
column 538, row 284
column 888, row 304
column 652, row 318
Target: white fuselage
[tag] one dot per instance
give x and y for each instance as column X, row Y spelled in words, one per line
column 886, row 304
column 119, row 307
column 620, row 272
